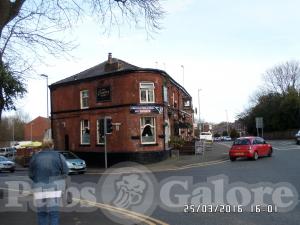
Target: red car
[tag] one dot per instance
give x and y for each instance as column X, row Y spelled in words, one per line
column 250, row 147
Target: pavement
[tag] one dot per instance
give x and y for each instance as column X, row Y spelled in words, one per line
column 214, row 153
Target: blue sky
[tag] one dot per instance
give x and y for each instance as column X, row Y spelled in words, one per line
column 224, row 45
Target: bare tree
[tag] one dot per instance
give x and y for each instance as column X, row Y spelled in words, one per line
column 283, row 77
column 29, row 29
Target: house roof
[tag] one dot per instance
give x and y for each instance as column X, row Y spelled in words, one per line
column 99, row 70
column 110, row 67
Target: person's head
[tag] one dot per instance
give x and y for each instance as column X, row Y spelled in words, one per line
column 47, row 144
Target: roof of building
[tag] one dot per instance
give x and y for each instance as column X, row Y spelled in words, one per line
column 112, row 66
column 100, row 70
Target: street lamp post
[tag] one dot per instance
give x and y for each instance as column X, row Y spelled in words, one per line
column 227, row 122
column 46, row 76
column 182, row 75
column 31, row 131
column 199, row 118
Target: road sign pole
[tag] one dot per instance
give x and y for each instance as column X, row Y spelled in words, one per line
column 105, row 142
column 105, row 151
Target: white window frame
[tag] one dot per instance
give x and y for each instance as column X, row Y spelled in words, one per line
column 82, row 98
column 147, row 92
column 153, row 127
column 98, row 133
column 82, row 129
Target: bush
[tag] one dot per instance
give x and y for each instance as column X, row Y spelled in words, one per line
column 176, row 142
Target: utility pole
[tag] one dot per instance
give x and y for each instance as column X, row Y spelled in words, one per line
column 46, row 76
column 182, row 66
column 199, row 118
column 227, row 122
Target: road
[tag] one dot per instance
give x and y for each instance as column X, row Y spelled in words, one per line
column 162, row 197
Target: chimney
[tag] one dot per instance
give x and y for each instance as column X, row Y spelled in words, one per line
column 109, row 60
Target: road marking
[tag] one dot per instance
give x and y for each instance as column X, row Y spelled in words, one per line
column 201, row 164
column 286, row 149
column 123, row 212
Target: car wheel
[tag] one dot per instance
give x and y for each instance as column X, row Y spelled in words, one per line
column 270, row 152
column 232, row 159
column 12, row 171
column 255, row 156
column 297, row 142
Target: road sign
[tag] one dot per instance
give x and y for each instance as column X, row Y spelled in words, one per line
column 259, row 122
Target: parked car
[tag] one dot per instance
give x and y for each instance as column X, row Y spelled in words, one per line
column 8, row 151
column 250, row 147
column 74, row 163
column 206, row 136
column 7, row 165
column 226, row 138
column 297, row 136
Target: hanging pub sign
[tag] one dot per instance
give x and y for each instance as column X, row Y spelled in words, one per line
column 103, row 94
column 146, row 109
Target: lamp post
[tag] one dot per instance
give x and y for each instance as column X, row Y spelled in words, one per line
column 182, row 75
column 31, row 132
column 227, row 122
column 199, row 118
column 46, row 76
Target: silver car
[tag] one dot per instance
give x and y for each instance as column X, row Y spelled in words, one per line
column 74, row 163
column 7, row 165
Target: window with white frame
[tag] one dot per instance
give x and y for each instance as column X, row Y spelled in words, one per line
column 85, row 132
column 147, row 92
column 148, row 130
column 84, row 99
column 100, row 132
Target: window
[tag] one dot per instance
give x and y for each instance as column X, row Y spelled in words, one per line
column 84, row 99
column 100, row 132
column 148, row 130
column 85, row 132
column 187, row 103
column 147, row 92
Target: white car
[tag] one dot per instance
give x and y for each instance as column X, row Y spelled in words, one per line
column 7, row 165
column 206, row 136
column 226, row 138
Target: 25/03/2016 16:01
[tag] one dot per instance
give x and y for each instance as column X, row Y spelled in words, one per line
column 229, row 209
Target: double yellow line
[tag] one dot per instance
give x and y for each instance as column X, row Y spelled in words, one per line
column 125, row 213
column 140, row 218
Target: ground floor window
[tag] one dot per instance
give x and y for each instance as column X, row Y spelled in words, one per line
column 148, row 130
column 85, row 132
column 100, row 132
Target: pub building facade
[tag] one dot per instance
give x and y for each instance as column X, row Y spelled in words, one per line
column 147, row 107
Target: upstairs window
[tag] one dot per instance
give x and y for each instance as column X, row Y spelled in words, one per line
column 147, row 92
column 187, row 103
column 148, row 130
column 85, row 132
column 84, row 99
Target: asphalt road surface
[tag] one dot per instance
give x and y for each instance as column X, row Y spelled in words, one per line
column 262, row 192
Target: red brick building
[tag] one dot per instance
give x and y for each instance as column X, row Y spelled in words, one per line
column 37, row 129
column 146, row 106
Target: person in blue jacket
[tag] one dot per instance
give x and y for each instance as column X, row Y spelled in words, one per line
column 48, row 171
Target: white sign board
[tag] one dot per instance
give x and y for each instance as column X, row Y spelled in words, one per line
column 259, row 122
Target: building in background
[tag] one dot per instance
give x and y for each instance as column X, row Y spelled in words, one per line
column 146, row 107
column 37, row 129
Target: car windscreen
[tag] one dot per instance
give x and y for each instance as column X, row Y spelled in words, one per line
column 2, row 158
column 69, row 155
column 241, row 142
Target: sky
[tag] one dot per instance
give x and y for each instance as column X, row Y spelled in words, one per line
column 225, row 46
